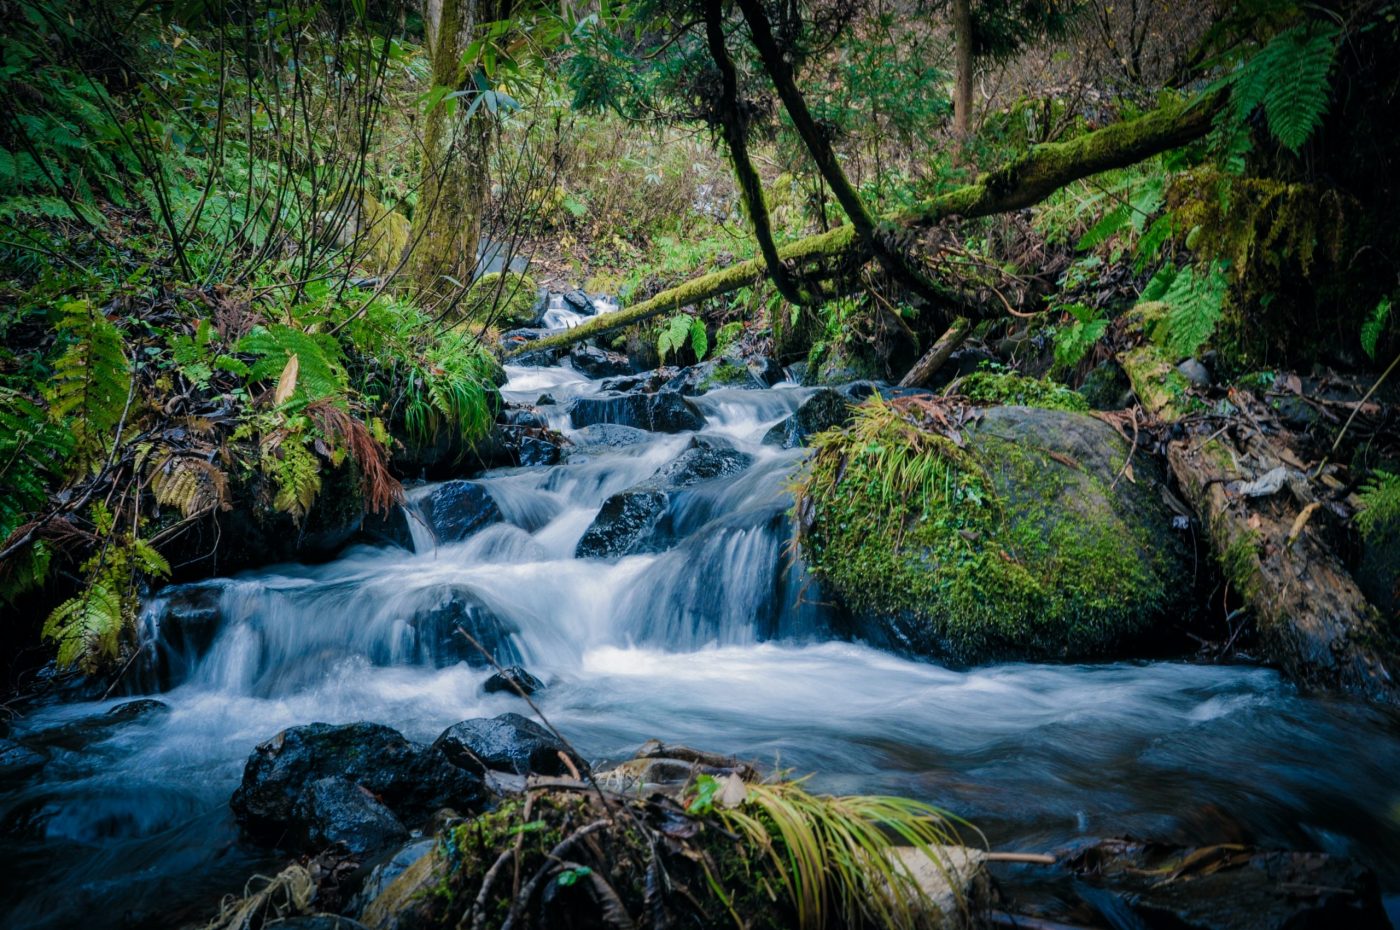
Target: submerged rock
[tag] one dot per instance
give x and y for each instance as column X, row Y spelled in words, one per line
column 134, row 710
column 410, row 780
column 436, row 640
column 823, row 410
column 18, row 761
column 508, row 743
column 662, row 412
column 628, row 520
column 176, row 632
column 513, row 680
column 336, row 810
column 455, row 510
column 1018, row 536
column 607, row 436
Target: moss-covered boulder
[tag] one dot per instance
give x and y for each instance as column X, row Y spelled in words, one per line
column 1006, row 532
column 507, row 298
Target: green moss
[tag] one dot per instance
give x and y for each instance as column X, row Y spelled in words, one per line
column 1005, row 387
column 1002, row 551
column 726, row 373
column 1239, row 561
column 509, row 297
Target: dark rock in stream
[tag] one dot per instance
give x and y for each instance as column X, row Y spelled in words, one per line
column 592, row 362
column 409, row 779
column 176, row 632
column 663, row 412
column 18, row 761
column 628, row 520
column 389, row 528
column 455, row 510
column 135, row 710
column 1225, row 887
column 513, row 680
column 823, row 410
column 508, row 743
column 520, row 338
column 436, row 640
column 607, row 436
column 336, row 810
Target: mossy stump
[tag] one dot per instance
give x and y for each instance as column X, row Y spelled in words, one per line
column 1015, row 534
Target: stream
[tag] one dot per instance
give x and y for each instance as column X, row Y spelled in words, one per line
column 716, row 642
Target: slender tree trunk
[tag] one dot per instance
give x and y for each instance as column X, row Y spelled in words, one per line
column 962, row 86
column 447, row 223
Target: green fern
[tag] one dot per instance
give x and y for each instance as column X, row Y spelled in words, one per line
column 321, row 365
column 1074, row 341
column 1374, row 327
column 91, row 380
column 297, row 473
column 33, row 451
column 1195, row 300
column 1288, row 78
column 88, row 628
column 1380, row 504
column 679, row 330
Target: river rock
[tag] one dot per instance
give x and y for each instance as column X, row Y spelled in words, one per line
column 176, row 632
column 662, row 412
column 390, row 528
column 521, row 338
column 592, row 362
column 388, row 871
column 823, row 410
column 607, row 436
column 436, row 640
column 1027, row 543
column 18, row 761
column 336, row 810
column 508, row 743
column 455, row 510
column 513, row 680
column 523, row 415
column 409, row 779
column 628, row 520
column 1226, row 888
column 135, row 710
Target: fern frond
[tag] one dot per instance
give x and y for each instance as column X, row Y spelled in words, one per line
column 192, row 485
column 321, row 365
column 1196, row 301
column 297, row 473
column 91, row 379
column 87, row 628
column 1374, row 327
column 33, row 451
column 1380, row 504
column 1288, row 78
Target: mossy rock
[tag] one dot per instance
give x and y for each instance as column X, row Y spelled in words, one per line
column 1006, row 387
column 1021, row 543
column 508, row 297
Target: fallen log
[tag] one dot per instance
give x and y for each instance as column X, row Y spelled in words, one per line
column 1262, row 517
column 1020, row 184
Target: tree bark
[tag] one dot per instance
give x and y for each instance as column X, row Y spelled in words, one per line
column 962, row 68
column 1310, row 616
column 1022, row 183
column 938, row 354
column 447, row 224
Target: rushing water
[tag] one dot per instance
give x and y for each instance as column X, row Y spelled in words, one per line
column 716, row 643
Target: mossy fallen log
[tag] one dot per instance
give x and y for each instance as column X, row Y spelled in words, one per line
column 1022, row 183
column 1311, row 618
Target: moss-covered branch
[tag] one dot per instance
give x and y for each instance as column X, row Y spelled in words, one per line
column 1026, row 181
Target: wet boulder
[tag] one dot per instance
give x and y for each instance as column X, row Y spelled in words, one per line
column 629, row 520
column 517, row 339
column 823, row 410
column 513, row 680
column 177, row 631
column 18, row 761
column 1022, row 537
column 335, row 810
column 607, row 436
column 508, row 743
column 592, row 362
column 662, row 412
column 389, row 528
column 410, row 780
column 523, row 415
column 437, row 642
column 455, row 510
column 136, row 710
column 648, row 382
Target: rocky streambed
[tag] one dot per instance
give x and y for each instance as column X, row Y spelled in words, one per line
column 635, row 557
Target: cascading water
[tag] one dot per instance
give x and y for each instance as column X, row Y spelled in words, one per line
column 714, row 640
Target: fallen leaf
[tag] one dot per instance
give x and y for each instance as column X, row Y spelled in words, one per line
column 1301, row 522
column 287, row 382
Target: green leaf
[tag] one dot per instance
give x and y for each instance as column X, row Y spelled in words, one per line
column 1374, row 327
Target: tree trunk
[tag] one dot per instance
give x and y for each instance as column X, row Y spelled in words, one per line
column 938, row 354
column 963, row 63
column 1026, row 181
column 1311, row 618
column 447, row 224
